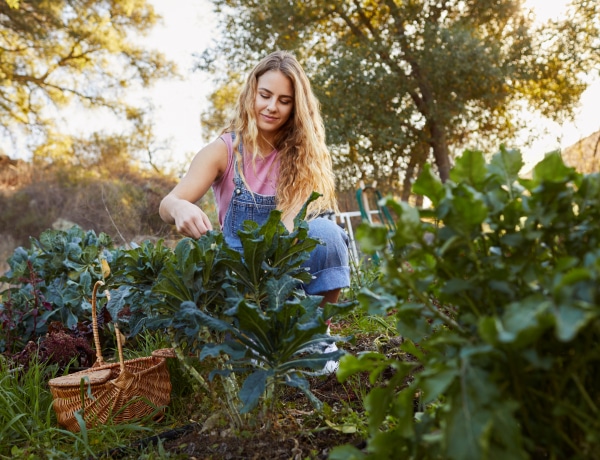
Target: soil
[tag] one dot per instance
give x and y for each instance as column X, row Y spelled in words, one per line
column 297, row 434
column 299, row 431
column 267, row 445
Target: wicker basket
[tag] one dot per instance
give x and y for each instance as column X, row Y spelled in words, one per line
column 115, row 392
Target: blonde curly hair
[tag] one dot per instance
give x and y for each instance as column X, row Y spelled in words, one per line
column 305, row 161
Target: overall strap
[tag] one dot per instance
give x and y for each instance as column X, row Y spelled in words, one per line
column 237, row 180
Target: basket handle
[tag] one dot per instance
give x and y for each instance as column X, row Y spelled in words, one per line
column 120, row 348
column 99, row 358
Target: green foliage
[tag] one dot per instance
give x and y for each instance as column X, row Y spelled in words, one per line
column 135, row 273
column 195, row 293
column 62, row 51
column 51, row 281
column 25, row 407
column 279, row 342
column 495, row 291
column 197, row 274
column 251, row 304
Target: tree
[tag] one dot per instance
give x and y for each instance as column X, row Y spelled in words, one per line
column 403, row 83
column 57, row 52
column 221, row 103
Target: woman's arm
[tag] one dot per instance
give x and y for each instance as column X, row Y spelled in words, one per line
column 178, row 206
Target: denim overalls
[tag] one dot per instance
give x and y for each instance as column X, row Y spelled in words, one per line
column 328, row 262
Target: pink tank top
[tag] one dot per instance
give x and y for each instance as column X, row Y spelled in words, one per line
column 261, row 177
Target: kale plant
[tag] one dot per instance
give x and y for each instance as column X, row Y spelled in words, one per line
column 247, row 308
column 253, row 304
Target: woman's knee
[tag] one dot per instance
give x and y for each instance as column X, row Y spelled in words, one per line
column 329, row 233
column 331, row 255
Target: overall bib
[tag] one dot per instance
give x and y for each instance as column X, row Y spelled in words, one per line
column 328, row 262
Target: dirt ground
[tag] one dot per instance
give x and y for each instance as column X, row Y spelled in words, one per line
column 268, row 445
column 295, row 435
column 299, row 432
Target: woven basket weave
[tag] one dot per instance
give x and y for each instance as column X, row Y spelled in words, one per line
column 115, row 392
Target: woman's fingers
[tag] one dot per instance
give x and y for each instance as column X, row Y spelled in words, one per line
column 194, row 224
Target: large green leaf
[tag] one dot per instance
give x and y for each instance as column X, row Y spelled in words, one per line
column 506, row 164
column 279, row 291
column 434, row 380
column 377, row 403
column 252, row 389
column 470, row 168
column 552, row 169
column 429, row 185
column 571, row 318
column 521, row 324
column 465, row 211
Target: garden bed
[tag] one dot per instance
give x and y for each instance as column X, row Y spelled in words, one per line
column 297, row 432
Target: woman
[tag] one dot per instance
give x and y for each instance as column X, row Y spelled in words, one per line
column 271, row 155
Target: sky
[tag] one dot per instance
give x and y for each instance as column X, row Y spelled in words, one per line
column 189, row 26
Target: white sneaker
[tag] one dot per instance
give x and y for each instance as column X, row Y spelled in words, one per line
column 330, row 366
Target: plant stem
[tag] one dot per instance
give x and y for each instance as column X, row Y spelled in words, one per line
column 585, row 394
column 190, row 369
column 231, row 389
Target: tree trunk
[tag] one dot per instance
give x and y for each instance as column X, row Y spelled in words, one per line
column 408, row 178
column 440, row 150
column 415, row 166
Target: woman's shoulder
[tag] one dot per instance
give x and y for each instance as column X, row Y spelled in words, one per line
column 221, row 149
column 228, row 138
column 217, row 148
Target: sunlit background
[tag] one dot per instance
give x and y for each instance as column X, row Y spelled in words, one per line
column 553, row 135
column 189, row 27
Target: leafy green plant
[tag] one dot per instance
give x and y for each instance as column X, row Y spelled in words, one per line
column 279, row 341
column 21, row 312
column 496, row 293
column 249, row 305
column 51, row 281
column 134, row 272
column 195, row 273
column 210, row 299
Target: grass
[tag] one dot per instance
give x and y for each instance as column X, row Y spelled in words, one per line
column 25, row 409
column 28, row 426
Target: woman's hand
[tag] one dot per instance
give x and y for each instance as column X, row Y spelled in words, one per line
column 189, row 219
column 178, row 207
